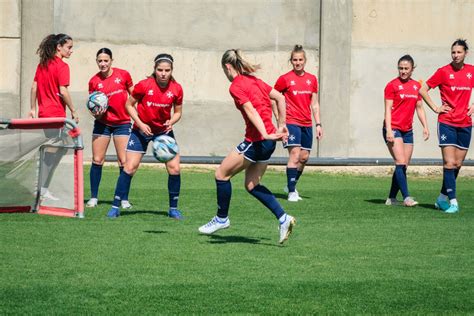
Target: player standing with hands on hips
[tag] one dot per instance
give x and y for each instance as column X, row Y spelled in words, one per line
column 401, row 99
column 455, row 82
column 155, row 106
column 300, row 89
column 50, row 90
column 252, row 98
column 117, row 85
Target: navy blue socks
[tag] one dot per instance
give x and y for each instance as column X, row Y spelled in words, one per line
column 268, row 199
column 224, row 194
column 400, row 175
column 449, row 182
column 174, row 186
column 291, row 176
column 122, row 188
column 95, row 176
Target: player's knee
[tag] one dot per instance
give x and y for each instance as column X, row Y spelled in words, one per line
column 98, row 160
column 219, row 175
column 304, row 158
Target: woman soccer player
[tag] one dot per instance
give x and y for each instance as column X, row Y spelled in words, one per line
column 401, row 99
column 117, row 85
column 252, row 98
column 156, row 96
column 455, row 82
column 300, row 89
column 50, row 90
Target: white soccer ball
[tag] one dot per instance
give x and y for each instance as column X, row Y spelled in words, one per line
column 97, row 102
column 165, row 148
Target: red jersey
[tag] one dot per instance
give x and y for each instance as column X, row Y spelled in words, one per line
column 116, row 88
column 48, row 79
column 455, row 87
column 247, row 88
column 298, row 92
column 155, row 103
column 404, row 95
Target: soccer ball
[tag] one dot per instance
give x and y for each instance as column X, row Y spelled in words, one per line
column 97, row 102
column 165, row 148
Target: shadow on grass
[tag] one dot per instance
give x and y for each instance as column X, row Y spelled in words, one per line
column 284, row 196
column 421, row 205
column 138, row 212
column 155, row 231
column 216, row 239
column 376, row 201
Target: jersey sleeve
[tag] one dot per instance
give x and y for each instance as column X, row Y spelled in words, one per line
column 138, row 91
column 436, row 79
column 128, row 80
column 266, row 87
column 179, row 96
column 280, row 85
column 63, row 75
column 238, row 94
column 389, row 92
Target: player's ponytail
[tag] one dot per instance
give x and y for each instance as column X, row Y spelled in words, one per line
column 235, row 58
column 297, row 49
column 47, row 48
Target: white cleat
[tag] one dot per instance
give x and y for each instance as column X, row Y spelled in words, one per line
column 92, row 202
column 392, row 202
column 214, row 225
column 294, row 197
column 126, row 204
column 46, row 195
column 286, row 227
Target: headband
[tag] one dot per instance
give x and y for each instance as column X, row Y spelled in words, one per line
column 163, row 58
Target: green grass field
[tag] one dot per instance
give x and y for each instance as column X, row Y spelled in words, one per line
column 349, row 253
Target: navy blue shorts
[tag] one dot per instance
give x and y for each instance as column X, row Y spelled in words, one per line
column 102, row 130
column 449, row 135
column 138, row 143
column 299, row 136
column 406, row 136
column 257, row 151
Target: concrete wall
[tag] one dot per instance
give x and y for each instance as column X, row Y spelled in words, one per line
column 353, row 48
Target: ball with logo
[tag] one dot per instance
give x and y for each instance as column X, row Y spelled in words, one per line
column 97, row 102
column 165, row 148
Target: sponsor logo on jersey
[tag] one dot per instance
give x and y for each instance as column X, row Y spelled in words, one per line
column 296, row 92
column 149, row 103
column 454, row 88
column 409, row 96
column 114, row 92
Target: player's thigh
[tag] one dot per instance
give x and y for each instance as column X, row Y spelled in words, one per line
column 120, row 143
column 397, row 151
column 293, row 156
column 232, row 164
column 99, row 148
column 408, row 148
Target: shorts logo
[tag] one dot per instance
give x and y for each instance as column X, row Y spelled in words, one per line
column 292, row 137
column 131, row 142
column 451, row 76
column 242, row 145
column 150, row 92
column 444, row 137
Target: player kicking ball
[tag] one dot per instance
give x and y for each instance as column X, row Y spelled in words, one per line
column 252, row 98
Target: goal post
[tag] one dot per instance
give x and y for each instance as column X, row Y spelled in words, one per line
column 41, row 166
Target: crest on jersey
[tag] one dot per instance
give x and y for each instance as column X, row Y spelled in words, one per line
column 100, row 85
column 169, row 94
column 117, row 80
column 308, row 82
column 415, row 87
column 469, row 75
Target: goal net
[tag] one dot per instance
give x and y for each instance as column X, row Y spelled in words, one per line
column 41, row 167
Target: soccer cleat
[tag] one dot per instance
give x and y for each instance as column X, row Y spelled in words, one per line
column 113, row 212
column 92, row 202
column 47, row 195
column 286, row 227
column 294, row 197
column 409, row 201
column 126, row 204
column 442, row 204
column 175, row 214
column 392, row 202
column 214, row 225
column 453, row 208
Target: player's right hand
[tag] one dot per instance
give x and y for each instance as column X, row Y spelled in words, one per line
column 32, row 114
column 145, row 129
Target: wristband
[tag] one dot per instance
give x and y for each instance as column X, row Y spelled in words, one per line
column 318, row 124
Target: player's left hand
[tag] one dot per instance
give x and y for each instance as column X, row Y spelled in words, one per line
column 426, row 134
column 283, row 130
column 168, row 126
column 75, row 116
column 319, row 132
column 470, row 109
